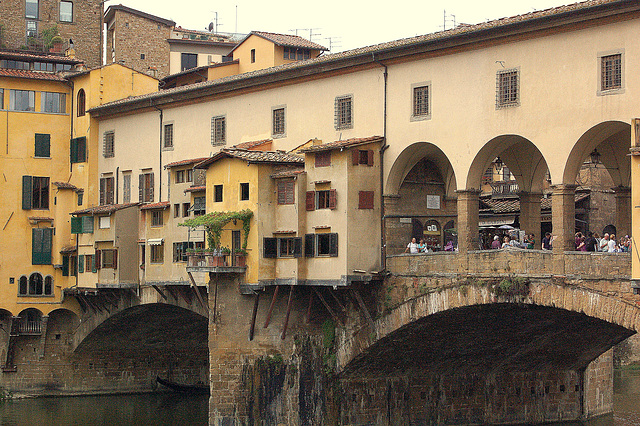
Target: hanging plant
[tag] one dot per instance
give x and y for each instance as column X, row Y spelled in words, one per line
column 215, row 221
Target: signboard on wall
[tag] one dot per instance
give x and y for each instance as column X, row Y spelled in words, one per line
column 433, row 202
column 432, row 227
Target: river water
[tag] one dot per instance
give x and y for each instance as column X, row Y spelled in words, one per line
column 169, row 409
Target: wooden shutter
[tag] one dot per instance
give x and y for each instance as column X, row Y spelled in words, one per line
column 270, row 248
column 333, row 201
column 297, row 247
column 369, row 157
column 41, row 246
column 110, row 197
column 309, row 245
column 333, row 245
column 73, row 148
column 311, row 200
column 150, row 182
column 81, row 264
column 141, row 188
column 27, row 192
column 365, row 199
column 103, row 191
column 94, row 263
column 87, row 224
column 43, row 145
column 76, row 225
column 98, row 260
column 115, row 259
column 65, row 266
column 355, row 157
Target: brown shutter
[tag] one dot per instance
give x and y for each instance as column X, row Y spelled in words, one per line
column 103, row 189
column 365, row 199
column 150, row 188
column 355, row 157
column 115, row 259
column 369, row 157
column 98, row 260
column 311, row 200
column 110, row 197
column 332, row 199
column 141, row 188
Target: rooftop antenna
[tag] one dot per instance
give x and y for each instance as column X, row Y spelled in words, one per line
column 236, row 29
column 451, row 18
column 214, row 25
column 333, row 43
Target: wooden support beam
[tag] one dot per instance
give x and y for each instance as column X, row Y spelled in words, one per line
column 172, row 292
column 253, row 316
column 184, row 292
column 215, row 296
column 160, row 292
column 273, row 302
column 197, row 292
column 85, row 301
column 308, row 316
column 286, row 318
column 363, row 307
column 335, row 297
column 82, row 304
column 326, row 305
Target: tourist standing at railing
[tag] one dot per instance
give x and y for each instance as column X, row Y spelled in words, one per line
column 495, row 244
column 505, row 242
column 597, row 237
column 547, row 242
column 422, row 247
column 579, row 242
column 530, row 241
column 590, row 242
column 612, row 243
column 412, row 247
column 604, row 243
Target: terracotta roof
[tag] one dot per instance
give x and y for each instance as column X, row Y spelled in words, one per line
column 33, row 75
column 185, row 162
column 461, row 35
column 220, row 43
column 106, row 209
column 111, row 10
column 198, row 69
column 37, row 56
column 288, row 40
column 252, row 144
column 196, row 189
column 67, row 249
column 275, row 157
column 349, row 143
column 161, row 205
column 65, row 185
column 512, row 205
column 287, row 173
column 40, row 219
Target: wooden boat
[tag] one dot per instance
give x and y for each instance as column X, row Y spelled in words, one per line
column 200, row 389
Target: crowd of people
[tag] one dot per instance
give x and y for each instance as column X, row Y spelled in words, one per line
column 606, row 244
column 414, row 247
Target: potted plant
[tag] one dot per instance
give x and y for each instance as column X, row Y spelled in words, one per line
column 241, row 257
column 56, row 44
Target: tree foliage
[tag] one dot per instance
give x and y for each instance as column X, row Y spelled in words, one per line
column 215, row 221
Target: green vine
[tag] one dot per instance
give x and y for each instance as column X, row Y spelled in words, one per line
column 215, row 221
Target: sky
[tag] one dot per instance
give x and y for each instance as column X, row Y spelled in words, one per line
column 336, row 24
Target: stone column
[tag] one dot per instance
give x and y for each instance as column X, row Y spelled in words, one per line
column 43, row 335
column 623, row 211
column 530, row 216
column 467, row 225
column 563, row 220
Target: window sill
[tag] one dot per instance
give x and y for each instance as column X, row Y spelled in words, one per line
column 36, row 295
column 420, row 117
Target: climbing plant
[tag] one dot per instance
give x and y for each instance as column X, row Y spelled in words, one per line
column 50, row 36
column 215, row 221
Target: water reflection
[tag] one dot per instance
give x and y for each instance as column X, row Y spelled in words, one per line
column 626, row 397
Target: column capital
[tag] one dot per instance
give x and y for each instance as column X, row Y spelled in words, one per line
column 470, row 191
column 563, row 187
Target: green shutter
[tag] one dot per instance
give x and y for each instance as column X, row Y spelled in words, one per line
column 43, row 145
column 94, row 267
column 27, row 192
column 76, row 225
column 78, row 149
column 41, row 246
column 65, row 266
column 87, row 224
column 81, row 263
column 74, row 150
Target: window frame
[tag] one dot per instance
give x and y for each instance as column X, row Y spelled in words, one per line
column 218, row 193
column 109, row 144
column 81, row 103
column 614, row 88
column 179, row 178
column 109, row 259
column 278, row 121
column 42, row 148
column 366, row 200
column 78, row 150
column 60, row 15
column 416, row 114
column 26, row 9
column 185, row 209
column 286, row 193
column 156, row 253
column 186, row 59
column 1, row 98
column 322, row 159
column 167, row 136
column 199, row 206
column 13, row 99
column 53, row 102
column 505, row 88
column 244, row 191
column 157, row 218
column 146, row 184
column 107, row 190
column 219, row 130
column 343, row 117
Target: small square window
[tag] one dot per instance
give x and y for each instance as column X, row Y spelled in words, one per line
column 421, row 106
column 507, row 88
column 104, row 222
column 217, row 193
column 157, row 253
column 343, row 112
column 611, row 72
column 168, row 135
column 244, row 191
column 323, row 159
column 142, row 56
column 157, row 217
column 180, row 176
column 218, row 130
column 278, row 122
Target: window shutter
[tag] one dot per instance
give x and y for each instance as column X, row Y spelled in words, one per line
column 270, row 248
column 65, row 266
column 98, row 260
column 115, row 259
column 87, row 224
column 297, row 247
column 43, row 145
column 141, row 188
column 369, row 157
column 73, row 155
column 311, row 200
column 332, row 199
column 309, row 245
column 333, row 245
column 94, row 263
column 103, row 189
column 150, row 188
column 27, row 192
column 81, row 264
column 365, row 199
column 355, row 157
column 41, row 246
column 76, row 225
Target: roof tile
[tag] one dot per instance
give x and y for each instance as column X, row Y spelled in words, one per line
column 105, row 209
column 342, row 144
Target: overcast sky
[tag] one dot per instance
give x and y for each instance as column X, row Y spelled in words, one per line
column 350, row 24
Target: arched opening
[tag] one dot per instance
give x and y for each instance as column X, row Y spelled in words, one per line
column 29, row 322
column 61, row 326
column 419, row 198
column 81, row 103
column 23, row 286
column 36, row 284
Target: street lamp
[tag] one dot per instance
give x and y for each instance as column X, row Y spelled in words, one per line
column 595, row 156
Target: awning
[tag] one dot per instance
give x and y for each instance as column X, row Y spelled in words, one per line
column 494, row 222
column 155, row 241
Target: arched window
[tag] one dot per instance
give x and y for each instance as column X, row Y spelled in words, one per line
column 23, row 286
column 48, row 285
column 81, row 103
column 35, row 284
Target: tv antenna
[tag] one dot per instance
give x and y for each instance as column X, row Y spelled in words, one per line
column 450, row 18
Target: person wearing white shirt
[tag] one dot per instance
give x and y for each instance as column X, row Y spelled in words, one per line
column 412, row 247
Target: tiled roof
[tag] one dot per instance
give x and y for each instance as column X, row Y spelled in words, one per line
column 512, row 205
column 111, row 10
column 106, row 209
column 185, row 162
column 40, row 219
column 342, row 144
column 67, row 249
column 65, row 185
column 37, row 56
column 289, row 40
column 196, row 189
column 252, row 144
column 287, row 173
column 198, row 69
column 461, row 35
column 161, row 205
column 33, row 75
column 276, row 157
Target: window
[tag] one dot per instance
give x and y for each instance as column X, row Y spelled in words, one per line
column 22, row 100
column 189, row 175
column 78, row 148
column 35, row 192
column 31, row 9
column 244, row 191
column 157, row 253
column 104, row 222
column 43, row 66
column 218, row 130
column 253, row 56
column 362, row 156
column 36, row 286
column 157, row 217
column 32, row 30
column 323, row 159
column 199, row 206
column 185, row 209
column 180, row 176
column 1, row 98
column 507, row 88
column 487, row 177
column 82, row 100
column 12, row 64
column 365, row 200
column 278, row 122
column 66, row 11
column 126, row 188
column 168, row 135
column 180, row 251
column 217, row 193
column 286, row 194
column 90, row 263
column 188, row 61
column 321, row 245
column 506, row 174
column 82, row 225
column 324, row 199
column 55, row 103
column 421, row 107
column 296, row 54
column 80, row 197
column 106, row 190
column 43, row 146
column 108, row 144
column 41, row 246
column 108, row 259
column 282, row 247
column 611, row 72
column 145, row 187
column 343, row 114
column 176, row 210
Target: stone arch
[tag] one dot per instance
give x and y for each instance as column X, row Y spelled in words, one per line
column 62, row 324
column 410, row 156
column 523, row 158
column 561, row 311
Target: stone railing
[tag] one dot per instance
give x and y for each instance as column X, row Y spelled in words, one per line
column 588, row 264
column 205, row 260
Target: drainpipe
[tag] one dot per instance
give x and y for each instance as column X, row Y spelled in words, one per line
column 117, row 183
column 160, row 157
column 383, row 148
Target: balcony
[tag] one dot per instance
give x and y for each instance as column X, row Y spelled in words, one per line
column 208, row 262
